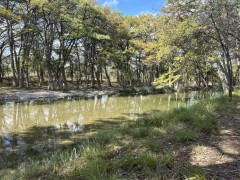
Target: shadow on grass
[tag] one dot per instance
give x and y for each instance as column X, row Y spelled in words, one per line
column 215, row 155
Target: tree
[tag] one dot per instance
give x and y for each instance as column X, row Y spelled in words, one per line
column 3, row 46
column 221, row 19
column 217, row 30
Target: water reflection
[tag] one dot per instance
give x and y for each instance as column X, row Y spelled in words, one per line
column 28, row 129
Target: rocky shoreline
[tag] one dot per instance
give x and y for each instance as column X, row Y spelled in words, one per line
column 23, row 96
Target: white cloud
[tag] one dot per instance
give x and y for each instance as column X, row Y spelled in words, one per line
column 111, row 3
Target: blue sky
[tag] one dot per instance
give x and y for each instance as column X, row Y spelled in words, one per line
column 134, row 7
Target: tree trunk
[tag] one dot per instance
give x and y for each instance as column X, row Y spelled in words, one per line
column 41, row 73
column 11, row 44
column 98, row 78
column 230, row 74
column 26, row 76
column 92, row 76
column 62, row 82
column 38, row 77
column 21, row 80
column 107, row 76
column 223, row 80
column 50, row 76
column 64, row 77
column 79, row 70
column 71, row 71
column 170, row 73
column 237, row 76
column 1, row 69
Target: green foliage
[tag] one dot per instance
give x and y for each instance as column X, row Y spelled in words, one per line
column 39, row 2
column 166, row 80
column 173, row 49
column 9, row 15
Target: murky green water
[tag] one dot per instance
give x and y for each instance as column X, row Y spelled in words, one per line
column 29, row 129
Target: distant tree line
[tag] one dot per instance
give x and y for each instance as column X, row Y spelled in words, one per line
column 62, row 41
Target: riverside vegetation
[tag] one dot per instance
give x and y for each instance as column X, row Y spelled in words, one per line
column 154, row 147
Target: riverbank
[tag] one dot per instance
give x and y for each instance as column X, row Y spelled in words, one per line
column 197, row 142
column 16, row 95
column 22, row 96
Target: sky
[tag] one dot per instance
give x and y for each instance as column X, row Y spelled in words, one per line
column 134, row 7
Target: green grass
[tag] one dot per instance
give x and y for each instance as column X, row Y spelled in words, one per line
column 167, row 159
column 186, row 135
column 145, row 161
column 152, row 144
column 97, row 169
column 141, row 149
column 156, row 131
column 140, row 132
column 194, row 173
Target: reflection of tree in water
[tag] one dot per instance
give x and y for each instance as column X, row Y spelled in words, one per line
column 46, row 132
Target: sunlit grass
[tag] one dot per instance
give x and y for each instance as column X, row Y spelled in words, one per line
column 156, row 131
column 194, row 173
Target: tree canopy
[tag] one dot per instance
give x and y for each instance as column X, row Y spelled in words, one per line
column 61, row 42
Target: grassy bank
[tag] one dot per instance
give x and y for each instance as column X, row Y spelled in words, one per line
column 154, row 147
